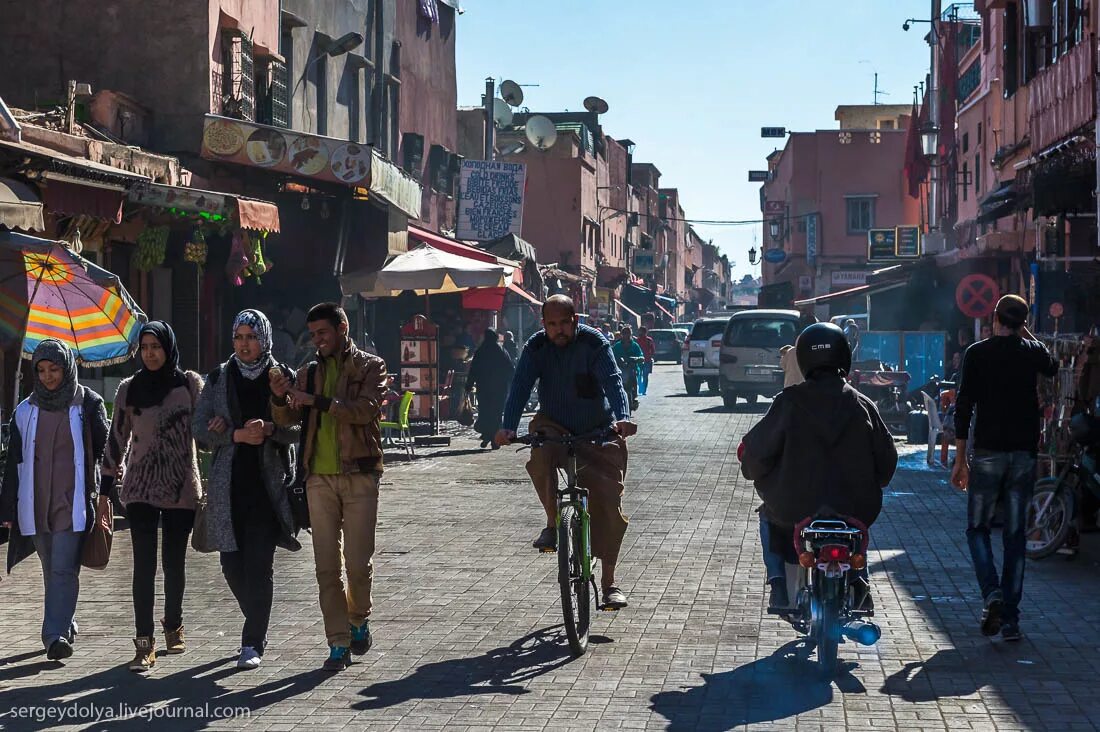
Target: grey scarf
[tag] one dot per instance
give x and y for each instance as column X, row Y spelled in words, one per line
column 261, row 326
column 62, row 397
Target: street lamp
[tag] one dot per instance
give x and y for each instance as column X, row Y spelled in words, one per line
column 773, row 228
column 752, row 255
column 929, row 140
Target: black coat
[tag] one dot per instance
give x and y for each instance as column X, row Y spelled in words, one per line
column 491, row 372
column 95, row 431
column 822, row 447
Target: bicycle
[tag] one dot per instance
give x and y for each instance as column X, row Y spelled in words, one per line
column 575, row 576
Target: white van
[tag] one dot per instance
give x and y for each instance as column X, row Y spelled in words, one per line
column 750, row 353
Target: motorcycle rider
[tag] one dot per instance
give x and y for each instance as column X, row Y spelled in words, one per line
column 821, row 450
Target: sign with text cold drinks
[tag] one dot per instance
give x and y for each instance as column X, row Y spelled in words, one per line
column 490, row 202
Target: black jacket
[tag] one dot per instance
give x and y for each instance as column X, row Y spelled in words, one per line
column 821, row 448
column 95, row 443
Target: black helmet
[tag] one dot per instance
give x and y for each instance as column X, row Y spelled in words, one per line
column 823, row 346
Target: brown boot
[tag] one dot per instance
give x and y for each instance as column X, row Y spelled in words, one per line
column 173, row 640
column 146, row 655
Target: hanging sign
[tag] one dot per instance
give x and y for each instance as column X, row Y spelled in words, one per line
column 490, row 204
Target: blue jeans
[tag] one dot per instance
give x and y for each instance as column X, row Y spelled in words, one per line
column 643, row 385
column 60, row 556
column 1008, row 477
column 773, row 561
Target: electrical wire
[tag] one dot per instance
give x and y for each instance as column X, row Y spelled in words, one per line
column 713, row 222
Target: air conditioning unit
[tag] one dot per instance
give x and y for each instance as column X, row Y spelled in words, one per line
column 934, row 242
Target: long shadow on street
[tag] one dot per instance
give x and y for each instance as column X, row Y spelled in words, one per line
column 502, row 670
column 118, row 690
column 784, row 685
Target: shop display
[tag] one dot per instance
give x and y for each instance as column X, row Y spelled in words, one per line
column 152, row 246
column 420, row 368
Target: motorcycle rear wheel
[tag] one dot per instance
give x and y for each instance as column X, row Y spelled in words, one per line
column 1049, row 518
column 827, row 637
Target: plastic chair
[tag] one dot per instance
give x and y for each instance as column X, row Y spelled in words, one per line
column 935, row 425
column 401, row 426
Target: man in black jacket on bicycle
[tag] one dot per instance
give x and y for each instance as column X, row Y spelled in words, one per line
column 822, row 449
column 580, row 390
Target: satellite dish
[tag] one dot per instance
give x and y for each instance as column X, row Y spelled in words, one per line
column 541, row 132
column 511, row 93
column 502, row 113
column 595, row 104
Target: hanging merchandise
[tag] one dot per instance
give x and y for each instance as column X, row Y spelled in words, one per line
column 196, row 250
column 152, row 246
column 238, row 259
column 257, row 266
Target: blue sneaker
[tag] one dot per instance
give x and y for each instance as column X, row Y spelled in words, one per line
column 361, row 638
column 339, row 658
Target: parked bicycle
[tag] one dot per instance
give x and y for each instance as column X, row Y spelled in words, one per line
column 576, row 577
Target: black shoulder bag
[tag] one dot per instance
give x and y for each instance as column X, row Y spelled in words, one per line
column 296, row 490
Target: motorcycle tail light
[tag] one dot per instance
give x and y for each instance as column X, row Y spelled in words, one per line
column 740, row 451
column 806, row 559
column 858, row 561
column 833, row 553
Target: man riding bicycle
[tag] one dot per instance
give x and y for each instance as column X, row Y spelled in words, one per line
column 821, row 448
column 629, row 355
column 580, row 390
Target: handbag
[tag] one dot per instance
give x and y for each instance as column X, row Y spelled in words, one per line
column 296, row 488
column 200, row 533
column 96, row 552
column 465, row 413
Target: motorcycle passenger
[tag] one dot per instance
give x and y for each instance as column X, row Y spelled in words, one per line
column 821, row 450
column 624, row 349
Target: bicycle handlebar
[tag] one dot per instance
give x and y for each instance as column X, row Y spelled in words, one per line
column 537, row 438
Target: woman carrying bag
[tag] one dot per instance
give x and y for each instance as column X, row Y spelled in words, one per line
column 151, row 456
column 491, row 372
column 51, row 480
column 247, row 507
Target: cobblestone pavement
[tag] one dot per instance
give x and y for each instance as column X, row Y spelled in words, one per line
column 467, row 621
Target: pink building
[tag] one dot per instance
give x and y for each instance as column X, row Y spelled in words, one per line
column 826, row 191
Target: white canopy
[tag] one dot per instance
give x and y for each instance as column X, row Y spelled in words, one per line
column 427, row 270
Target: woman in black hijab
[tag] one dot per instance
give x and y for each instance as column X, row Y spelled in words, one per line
column 491, row 374
column 151, row 455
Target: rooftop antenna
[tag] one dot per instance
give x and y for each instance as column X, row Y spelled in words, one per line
column 877, row 92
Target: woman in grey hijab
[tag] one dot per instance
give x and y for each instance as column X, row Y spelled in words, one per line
column 49, row 503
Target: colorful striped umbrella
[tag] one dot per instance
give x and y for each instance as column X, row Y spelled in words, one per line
column 48, row 291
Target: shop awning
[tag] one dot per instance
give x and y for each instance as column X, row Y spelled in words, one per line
column 460, row 248
column 72, row 199
column 862, row 290
column 524, row 294
column 248, row 213
column 998, row 203
column 19, row 207
column 62, row 164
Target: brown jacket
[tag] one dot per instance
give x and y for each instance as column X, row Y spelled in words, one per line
column 356, row 406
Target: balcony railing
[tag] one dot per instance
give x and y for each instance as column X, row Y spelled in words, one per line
column 1062, row 99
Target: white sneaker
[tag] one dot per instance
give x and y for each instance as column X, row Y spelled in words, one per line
column 250, row 658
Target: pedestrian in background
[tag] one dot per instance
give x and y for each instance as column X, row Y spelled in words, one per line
column 510, row 346
column 649, row 350
column 51, row 480
column 999, row 379
column 338, row 400
column 491, row 374
column 151, row 458
column 247, row 507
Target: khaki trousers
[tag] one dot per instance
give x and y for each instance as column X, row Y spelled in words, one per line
column 600, row 468
column 343, row 511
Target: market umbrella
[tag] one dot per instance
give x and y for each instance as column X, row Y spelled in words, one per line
column 48, row 291
column 428, row 270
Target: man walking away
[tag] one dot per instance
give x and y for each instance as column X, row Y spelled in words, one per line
column 1000, row 378
column 338, row 399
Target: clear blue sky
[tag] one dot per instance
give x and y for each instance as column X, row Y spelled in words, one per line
column 692, row 82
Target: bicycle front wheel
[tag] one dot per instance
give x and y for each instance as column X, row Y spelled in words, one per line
column 576, row 597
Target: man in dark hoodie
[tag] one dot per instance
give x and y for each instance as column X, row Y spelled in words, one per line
column 822, row 449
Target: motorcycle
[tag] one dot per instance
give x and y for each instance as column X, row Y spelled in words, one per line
column 630, row 367
column 887, row 389
column 829, row 605
column 1055, row 502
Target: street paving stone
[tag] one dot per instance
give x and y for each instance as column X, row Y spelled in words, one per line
column 467, row 619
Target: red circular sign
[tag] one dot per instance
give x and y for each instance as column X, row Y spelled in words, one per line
column 1056, row 310
column 977, row 295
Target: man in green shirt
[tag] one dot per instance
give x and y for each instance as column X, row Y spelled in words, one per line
column 338, row 399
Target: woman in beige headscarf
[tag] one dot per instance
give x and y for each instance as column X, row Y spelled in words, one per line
column 792, row 375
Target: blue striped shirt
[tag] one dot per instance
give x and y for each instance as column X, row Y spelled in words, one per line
column 580, row 386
